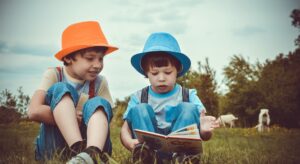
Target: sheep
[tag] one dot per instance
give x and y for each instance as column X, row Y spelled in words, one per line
column 227, row 119
column 263, row 120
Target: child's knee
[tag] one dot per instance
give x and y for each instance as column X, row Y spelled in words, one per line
column 187, row 105
column 97, row 104
column 61, row 87
column 141, row 110
column 100, row 110
column 58, row 91
column 188, row 109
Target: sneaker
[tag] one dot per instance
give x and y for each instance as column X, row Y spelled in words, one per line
column 97, row 155
column 186, row 159
column 81, row 158
column 142, row 154
column 68, row 152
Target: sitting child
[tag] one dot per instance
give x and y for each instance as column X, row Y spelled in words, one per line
column 162, row 107
column 73, row 103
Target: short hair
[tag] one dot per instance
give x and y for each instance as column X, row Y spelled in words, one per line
column 159, row 59
column 83, row 51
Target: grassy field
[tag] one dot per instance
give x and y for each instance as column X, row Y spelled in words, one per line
column 227, row 145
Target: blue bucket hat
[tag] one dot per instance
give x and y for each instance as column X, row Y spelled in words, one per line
column 161, row 42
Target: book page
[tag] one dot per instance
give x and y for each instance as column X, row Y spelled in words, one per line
column 187, row 128
column 188, row 134
column 154, row 140
column 190, row 131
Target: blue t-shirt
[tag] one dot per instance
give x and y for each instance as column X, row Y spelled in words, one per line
column 163, row 103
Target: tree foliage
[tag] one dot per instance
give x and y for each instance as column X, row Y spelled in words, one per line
column 9, row 115
column 13, row 107
column 280, row 86
column 295, row 15
column 22, row 102
column 203, row 80
column 7, row 98
column 243, row 97
column 274, row 85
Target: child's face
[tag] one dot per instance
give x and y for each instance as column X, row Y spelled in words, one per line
column 86, row 66
column 162, row 79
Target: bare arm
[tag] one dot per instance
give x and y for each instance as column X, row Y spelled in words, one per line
column 126, row 137
column 39, row 112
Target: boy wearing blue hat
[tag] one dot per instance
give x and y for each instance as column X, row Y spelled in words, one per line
column 164, row 106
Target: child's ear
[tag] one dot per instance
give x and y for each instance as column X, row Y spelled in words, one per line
column 67, row 60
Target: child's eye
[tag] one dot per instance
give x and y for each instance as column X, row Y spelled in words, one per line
column 154, row 73
column 168, row 73
column 90, row 59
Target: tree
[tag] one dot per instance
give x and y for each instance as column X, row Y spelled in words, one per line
column 22, row 102
column 7, row 98
column 203, row 80
column 280, row 87
column 243, row 97
column 8, row 111
column 295, row 15
column 14, row 104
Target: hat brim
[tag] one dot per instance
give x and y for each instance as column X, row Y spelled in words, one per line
column 64, row 52
column 182, row 58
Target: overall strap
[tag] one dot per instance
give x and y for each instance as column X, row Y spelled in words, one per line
column 144, row 96
column 59, row 72
column 185, row 95
column 92, row 89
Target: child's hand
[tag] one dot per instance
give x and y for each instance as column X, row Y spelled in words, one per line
column 132, row 143
column 208, row 123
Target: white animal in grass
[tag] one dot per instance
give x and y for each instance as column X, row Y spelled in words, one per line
column 227, row 119
column 263, row 120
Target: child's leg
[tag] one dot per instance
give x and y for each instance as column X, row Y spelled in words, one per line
column 65, row 117
column 97, row 123
column 50, row 137
column 142, row 117
column 183, row 115
column 97, row 114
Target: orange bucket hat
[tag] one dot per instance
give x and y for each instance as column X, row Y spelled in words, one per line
column 83, row 35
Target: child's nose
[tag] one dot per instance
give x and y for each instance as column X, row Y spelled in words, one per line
column 97, row 64
column 161, row 77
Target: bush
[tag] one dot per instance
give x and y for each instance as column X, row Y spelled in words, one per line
column 9, row 115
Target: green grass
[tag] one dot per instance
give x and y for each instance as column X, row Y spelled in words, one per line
column 248, row 146
column 16, row 142
column 227, row 145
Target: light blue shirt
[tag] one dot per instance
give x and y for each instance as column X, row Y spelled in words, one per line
column 164, row 103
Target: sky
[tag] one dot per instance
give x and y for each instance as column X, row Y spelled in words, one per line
column 30, row 34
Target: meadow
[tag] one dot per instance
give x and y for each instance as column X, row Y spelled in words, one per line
column 237, row 145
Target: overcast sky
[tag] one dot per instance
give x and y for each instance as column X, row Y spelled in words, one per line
column 30, row 34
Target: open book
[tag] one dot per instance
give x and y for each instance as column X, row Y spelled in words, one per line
column 186, row 139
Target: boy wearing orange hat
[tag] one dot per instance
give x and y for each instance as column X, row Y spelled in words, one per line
column 73, row 103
